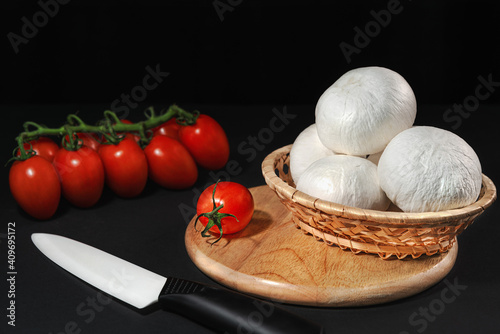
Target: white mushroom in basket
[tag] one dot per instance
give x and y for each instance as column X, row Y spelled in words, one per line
column 306, row 149
column 427, row 169
column 346, row 180
column 364, row 109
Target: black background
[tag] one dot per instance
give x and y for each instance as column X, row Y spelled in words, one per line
column 262, row 51
column 262, row 55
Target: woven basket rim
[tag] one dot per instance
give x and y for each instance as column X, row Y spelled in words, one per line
column 287, row 191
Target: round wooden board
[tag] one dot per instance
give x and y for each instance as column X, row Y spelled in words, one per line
column 273, row 259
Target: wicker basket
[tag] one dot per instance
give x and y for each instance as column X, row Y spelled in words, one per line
column 386, row 233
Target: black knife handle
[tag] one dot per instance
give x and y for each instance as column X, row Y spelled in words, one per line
column 230, row 312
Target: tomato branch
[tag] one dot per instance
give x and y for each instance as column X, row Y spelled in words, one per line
column 111, row 128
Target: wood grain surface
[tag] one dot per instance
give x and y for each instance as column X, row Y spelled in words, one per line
column 274, row 260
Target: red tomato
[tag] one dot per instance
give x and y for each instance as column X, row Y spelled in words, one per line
column 89, row 139
column 207, row 142
column 237, row 200
column 35, row 185
column 43, row 146
column 170, row 164
column 82, row 175
column 125, row 167
column 170, row 129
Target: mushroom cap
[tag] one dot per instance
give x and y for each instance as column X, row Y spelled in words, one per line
column 364, row 109
column 346, row 180
column 427, row 169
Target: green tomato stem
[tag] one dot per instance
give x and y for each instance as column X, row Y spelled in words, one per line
column 214, row 218
column 109, row 128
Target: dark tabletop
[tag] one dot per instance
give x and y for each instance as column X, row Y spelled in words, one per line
column 149, row 231
column 248, row 64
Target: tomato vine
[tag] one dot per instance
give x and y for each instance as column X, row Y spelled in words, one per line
column 111, row 128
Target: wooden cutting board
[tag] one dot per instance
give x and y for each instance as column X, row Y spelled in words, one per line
column 273, row 259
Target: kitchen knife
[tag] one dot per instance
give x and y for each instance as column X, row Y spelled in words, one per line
column 217, row 308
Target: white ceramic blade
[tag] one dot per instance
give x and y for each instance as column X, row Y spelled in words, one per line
column 126, row 281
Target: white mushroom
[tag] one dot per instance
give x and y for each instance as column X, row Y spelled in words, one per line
column 346, row 180
column 306, row 149
column 364, row 109
column 429, row 169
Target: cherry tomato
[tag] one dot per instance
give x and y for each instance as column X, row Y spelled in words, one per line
column 125, row 167
column 89, row 139
column 170, row 164
column 43, row 146
column 82, row 175
column 35, row 185
column 170, row 129
column 206, row 141
column 237, row 200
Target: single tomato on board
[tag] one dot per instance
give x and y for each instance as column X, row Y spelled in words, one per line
column 125, row 167
column 82, row 175
column 227, row 209
column 206, row 141
column 35, row 185
column 170, row 164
